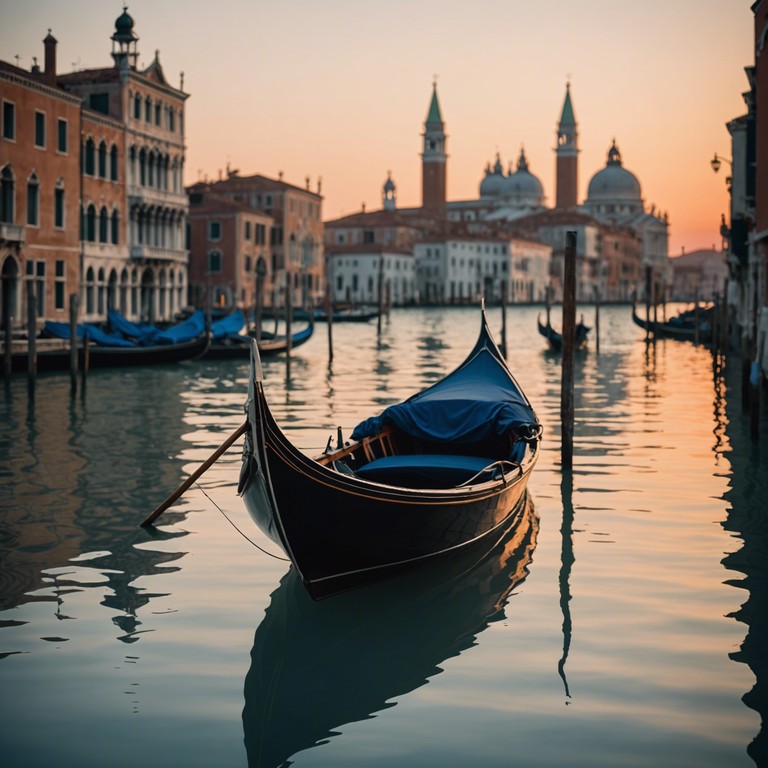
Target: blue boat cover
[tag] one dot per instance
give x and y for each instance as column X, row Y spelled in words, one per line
column 231, row 325
column 95, row 334
column 479, row 400
column 143, row 333
column 187, row 330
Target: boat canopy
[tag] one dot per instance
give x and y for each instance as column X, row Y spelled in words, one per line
column 143, row 333
column 476, row 402
column 94, row 333
column 231, row 325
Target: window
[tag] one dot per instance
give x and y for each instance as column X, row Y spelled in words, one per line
column 214, row 261
column 214, row 230
column 102, row 160
column 33, row 201
column 36, row 273
column 9, row 120
column 40, row 129
column 158, row 114
column 113, row 163
column 62, row 135
column 103, row 225
column 58, row 208
column 171, row 120
column 115, row 227
column 137, row 107
column 90, row 224
column 148, row 110
column 60, row 284
column 368, row 236
column 99, row 102
column 7, row 192
column 247, row 230
column 90, row 157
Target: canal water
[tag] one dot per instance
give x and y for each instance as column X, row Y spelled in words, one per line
column 623, row 625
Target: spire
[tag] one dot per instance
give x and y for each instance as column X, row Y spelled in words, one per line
column 567, row 118
column 434, row 116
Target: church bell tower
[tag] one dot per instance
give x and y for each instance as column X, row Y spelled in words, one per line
column 567, row 151
column 433, row 159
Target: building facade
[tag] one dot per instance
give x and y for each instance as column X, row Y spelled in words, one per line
column 295, row 242
column 107, row 150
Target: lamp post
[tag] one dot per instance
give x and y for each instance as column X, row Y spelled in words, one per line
column 716, row 162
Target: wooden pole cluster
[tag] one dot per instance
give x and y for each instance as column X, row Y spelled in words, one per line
column 569, row 342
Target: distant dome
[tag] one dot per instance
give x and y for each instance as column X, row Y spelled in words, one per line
column 522, row 186
column 614, row 184
column 493, row 183
column 124, row 28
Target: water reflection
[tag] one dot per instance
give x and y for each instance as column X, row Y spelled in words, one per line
column 747, row 521
column 318, row 665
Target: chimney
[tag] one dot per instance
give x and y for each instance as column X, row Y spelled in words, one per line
column 50, row 58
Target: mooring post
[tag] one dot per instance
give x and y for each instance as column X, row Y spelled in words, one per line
column 31, row 338
column 74, row 301
column 504, row 318
column 288, row 321
column 569, row 340
column 329, row 320
column 381, row 294
column 696, row 319
column 8, row 351
column 597, row 320
column 648, row 303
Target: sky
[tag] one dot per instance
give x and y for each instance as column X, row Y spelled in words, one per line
column 339, row 90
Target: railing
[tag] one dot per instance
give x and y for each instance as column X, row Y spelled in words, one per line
column 159, row 253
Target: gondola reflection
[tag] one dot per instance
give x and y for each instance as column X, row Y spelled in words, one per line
column 318, row 665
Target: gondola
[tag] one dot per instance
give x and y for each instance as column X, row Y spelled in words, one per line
column 425, row 479
column 238, row 345
column 682, row 327
column 99, row 356
column 555, row 339
column 316, row 666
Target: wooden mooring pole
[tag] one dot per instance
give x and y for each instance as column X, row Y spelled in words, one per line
column 597, row 320
column 31, row 339
column 504, row 318
column 329, row 320
column 74, row 301
column 569, row 342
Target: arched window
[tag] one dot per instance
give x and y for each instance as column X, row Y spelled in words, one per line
column 151, row 169
column 143, row 167
column 102, row 159
column 90, row 224
column 137, row 107
column 103, row 225
column 89, row 297
column 115, row 227
column 100, row 291
column 33, row 201
column 113, row 163
column 90, row 157
column 148, row 110
column 7, row 193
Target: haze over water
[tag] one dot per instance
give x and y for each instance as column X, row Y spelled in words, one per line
column 624, row 625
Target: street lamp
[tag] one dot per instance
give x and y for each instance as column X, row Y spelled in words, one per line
column 716, row 162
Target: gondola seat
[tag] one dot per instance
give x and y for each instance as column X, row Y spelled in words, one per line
column 424, row 470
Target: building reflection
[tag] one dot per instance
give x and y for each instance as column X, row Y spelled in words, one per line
column 318, row 665
column 82, row 474
column 746, row 497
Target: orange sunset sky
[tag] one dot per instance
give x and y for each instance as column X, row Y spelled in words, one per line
column 340, row 89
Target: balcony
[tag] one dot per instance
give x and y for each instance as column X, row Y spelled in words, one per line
column 12, row 234
column 159, row 254
column 156, row 198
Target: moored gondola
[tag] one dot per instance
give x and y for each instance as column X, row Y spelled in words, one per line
column 555, row 339
column 682, row 326
column 427, row 478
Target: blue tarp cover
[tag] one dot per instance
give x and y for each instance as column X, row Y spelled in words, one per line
column 478, row 400
column 143, row 333
column 95, row 334
column 231, row 325
column 187, row 330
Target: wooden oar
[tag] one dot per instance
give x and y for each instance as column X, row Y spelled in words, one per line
column 199, row 471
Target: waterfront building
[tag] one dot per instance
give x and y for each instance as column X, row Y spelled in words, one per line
column 295, row 252
column 745, row 233
column 107, row 154
column 698, row 275
column 229, row 253
column 39, row 191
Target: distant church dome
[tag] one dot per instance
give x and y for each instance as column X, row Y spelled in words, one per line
column 522, row 187
column 493, row 183
column 614, row 183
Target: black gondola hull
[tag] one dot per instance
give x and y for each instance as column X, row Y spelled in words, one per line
column 672, row 331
